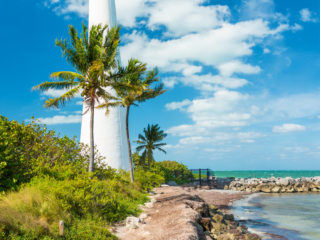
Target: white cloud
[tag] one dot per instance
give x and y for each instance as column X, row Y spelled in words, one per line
column 212, row 48
column 192, row 16
column 192, row 70
column 217, row 139
column 65, row 7
column 294, row 106
column 289, row 127
column 57, row 120
column 266, row 50
column 178, row 105
column 307, row 16
column 57, row 93
column 221, row 110
column 251, row 9
column 297, row 149
column 229, row 68
column 53, row 93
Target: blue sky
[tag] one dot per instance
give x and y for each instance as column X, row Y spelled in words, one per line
column 242, row 75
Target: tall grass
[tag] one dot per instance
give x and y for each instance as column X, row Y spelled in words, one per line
column 31, row 212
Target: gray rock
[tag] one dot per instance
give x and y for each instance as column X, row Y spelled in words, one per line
column 172, row 183
column 132, row 222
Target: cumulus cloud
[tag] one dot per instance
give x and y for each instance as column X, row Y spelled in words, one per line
column 192, row 16
column 220, row 110
column 57, row 120
column 178, row 105
column 212, row 48
column 307, row 16
column 289, row 127
column 65, row 7
column 229, row 68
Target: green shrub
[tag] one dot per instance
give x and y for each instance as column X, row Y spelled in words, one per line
column 112, row 200
column 174, row 171
column 28, row 150
column 147, row 180
column 89, row 228
column 86, row 205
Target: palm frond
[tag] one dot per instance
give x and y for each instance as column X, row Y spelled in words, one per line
column 55, row 85
column 60, row 101
column 67, row 75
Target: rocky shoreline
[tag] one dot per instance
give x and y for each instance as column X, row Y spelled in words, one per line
column 271, row 185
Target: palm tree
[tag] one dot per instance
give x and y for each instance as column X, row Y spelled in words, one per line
column 151, row 140
column 133, row 87
column 93, row 59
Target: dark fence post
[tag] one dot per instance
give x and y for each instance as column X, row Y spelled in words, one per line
column 200, row 177
column 208, row 175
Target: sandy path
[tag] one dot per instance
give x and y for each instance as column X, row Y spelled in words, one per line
column 170, row 218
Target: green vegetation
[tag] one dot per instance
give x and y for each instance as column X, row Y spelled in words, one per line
column 50, row 174
column 174, row 171
column 168, row 170
column 150, row 141
column 28, row 150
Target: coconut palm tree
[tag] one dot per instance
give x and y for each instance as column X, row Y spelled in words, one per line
column 134, row 86
column 94, row 61
column 149, row 141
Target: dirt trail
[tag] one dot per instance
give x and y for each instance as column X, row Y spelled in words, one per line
column 170, row 217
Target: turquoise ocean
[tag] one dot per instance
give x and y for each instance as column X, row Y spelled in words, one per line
column 281, row 216
column 266, row 174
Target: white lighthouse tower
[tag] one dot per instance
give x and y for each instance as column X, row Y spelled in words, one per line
column 109, row 130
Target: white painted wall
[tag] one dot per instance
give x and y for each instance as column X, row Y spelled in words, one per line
column 109, row 130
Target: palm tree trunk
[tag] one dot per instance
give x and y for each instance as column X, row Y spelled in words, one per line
column 91, row 163
column 129, row 145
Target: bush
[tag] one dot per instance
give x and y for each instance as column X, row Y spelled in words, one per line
column 147, row 180
column 86, row 205
column 174, row 171
column 28, row 150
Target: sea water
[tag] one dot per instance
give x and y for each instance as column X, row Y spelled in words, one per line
column 281, row 216
column 266, row 174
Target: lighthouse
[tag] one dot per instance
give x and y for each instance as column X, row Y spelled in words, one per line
column 109, row 130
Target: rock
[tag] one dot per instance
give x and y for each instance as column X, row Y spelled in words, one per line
column 132, row 222
column 143, row 216
column 275, row 185
column 164, row 185
column 276, row 189
column 229, row 217
column 284, row 181
column 172, row 183
column 206, row 223
column 217, row 218
column 150, row 204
